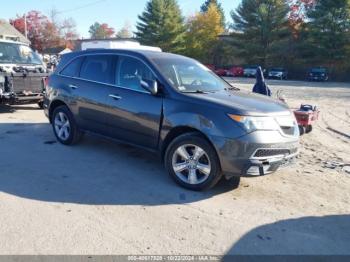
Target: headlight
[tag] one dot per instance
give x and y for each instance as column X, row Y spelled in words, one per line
column 251, row 124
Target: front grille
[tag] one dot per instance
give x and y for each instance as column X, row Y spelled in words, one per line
column 274, row 152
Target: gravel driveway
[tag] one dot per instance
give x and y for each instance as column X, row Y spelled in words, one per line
column 100, row 197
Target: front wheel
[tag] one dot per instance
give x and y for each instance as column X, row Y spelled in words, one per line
column 64, row 126
column 192, row 162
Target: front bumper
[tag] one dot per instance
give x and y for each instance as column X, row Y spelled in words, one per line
column 317, row 78
column 256, row 154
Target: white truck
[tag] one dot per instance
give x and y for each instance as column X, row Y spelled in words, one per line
column 22, row 73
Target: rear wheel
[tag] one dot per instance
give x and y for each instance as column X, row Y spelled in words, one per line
column 192, row 162
column 301, row 130
column 308, row 129
column 65, row 127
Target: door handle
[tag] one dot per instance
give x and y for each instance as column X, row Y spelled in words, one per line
column 73, row 86
column 116, row 97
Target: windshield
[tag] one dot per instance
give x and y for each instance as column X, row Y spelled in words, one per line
column 318, row 70
column 277, row 70
column 187, row 75
column 18, row 54
column 251, row 67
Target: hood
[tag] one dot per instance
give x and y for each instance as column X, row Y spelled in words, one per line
column 276, row 72
column 241, row 103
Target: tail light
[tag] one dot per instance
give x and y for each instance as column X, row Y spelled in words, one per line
column 45, row 83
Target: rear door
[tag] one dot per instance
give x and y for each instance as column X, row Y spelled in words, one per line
column 90, row 91
column 135, row 113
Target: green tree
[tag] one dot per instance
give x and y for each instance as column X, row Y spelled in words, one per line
column 328, row 32
column 125, row 31
column 261, row 30
column 162, row 25
column 101, row 31
column 203, row 33
column 205, row 7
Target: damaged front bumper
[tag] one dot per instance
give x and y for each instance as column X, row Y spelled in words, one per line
column 22, row 88
column 256, row 154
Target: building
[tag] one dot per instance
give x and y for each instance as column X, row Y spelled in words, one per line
column 9, row 33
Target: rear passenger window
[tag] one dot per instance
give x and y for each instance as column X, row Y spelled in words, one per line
column 73, row 68
column 98, row 68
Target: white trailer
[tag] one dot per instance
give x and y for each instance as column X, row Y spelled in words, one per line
column 116, row 44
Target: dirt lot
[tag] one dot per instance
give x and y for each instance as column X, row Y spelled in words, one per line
column 101, row 197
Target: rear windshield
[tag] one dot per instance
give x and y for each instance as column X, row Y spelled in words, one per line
column 188, row 75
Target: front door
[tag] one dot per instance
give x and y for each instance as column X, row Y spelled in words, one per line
column 135, row 114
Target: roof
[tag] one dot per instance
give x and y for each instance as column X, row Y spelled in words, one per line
column 109, row 39
column 137, row 52
column 8, row 30
column 146, row 54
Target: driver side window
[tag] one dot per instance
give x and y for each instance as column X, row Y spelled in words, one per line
column 130, row 73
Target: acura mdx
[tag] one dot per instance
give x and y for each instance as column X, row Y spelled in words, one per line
column 201, row 126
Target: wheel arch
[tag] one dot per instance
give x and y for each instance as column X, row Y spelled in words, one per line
column 178, row 131
column 54, row 104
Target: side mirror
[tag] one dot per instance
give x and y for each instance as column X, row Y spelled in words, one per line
column 150, row 85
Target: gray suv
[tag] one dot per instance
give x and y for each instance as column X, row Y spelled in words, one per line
column 201, row 126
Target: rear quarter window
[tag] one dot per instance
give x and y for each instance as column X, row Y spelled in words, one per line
column 73, row 68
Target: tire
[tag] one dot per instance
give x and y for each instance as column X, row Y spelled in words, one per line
column 41, row 104
column 63, row 116
column 301, row 130
column 205, row 171
column 308, row 129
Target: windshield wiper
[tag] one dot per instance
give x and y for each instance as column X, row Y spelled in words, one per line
column 198, row 91
column 232, row 88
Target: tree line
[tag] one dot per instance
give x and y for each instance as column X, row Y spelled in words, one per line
column 295, row 34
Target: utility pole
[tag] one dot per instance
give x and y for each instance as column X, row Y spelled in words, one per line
column 25, row 26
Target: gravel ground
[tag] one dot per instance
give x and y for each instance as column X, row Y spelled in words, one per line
column 100, row 197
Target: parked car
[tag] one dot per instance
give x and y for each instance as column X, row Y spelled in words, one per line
column 318, row 74
column 221, row 72
column 22, row 73
column 250, row 71
column 201, row 127
column 211, row 67
column 278, row 73
column 236, row 71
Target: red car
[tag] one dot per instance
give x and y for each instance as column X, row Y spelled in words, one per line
column 236, row 71
column 221, row 72
column 211, row 67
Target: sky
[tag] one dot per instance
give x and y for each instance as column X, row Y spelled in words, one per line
column 85, row 12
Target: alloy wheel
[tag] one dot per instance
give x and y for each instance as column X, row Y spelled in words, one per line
column 62, row 126
column 191, row 164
